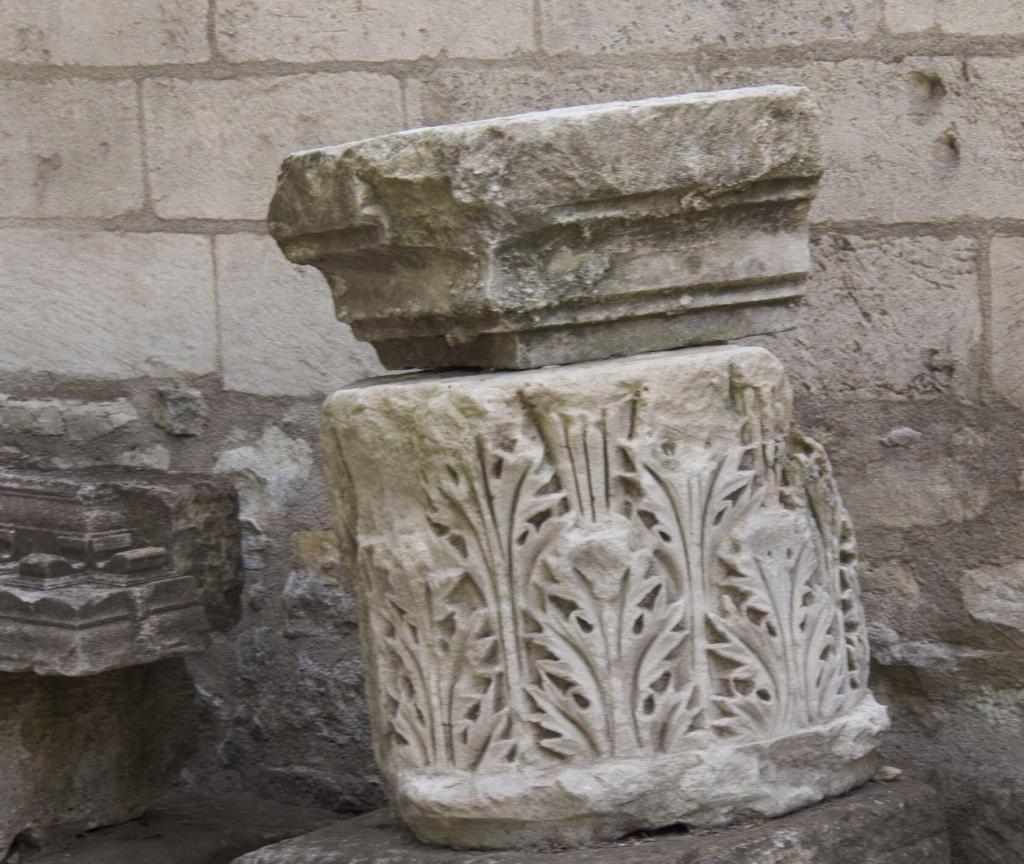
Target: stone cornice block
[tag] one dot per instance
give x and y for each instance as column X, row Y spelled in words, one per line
column 102, row 569
column 564, row 235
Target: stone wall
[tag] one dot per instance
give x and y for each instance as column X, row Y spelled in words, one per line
column 147, row 319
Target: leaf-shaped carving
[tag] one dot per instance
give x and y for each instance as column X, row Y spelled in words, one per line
column 689, row 508
column 610, row 634
column 496, row 509
column 440, row 680
column 776, row 643
column 809, row 472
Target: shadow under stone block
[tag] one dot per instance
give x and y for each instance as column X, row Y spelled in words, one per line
column 80, row 752
column 880, row 823
column 190, row 828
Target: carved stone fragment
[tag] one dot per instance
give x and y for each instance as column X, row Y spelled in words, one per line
column 601, row 597
column 565, row 235
column 106, row 568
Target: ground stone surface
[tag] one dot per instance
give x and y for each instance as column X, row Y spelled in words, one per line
column 192, row 828
column 881, row 823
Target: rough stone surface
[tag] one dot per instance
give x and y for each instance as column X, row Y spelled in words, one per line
column 151, row 295
column 190, row 828
column 561, row 236
column 1007, row 263
column 918, row 139
column 995, row 595
column 214, row 146
column 882, row 823
column 592, row 26
column 301, row 349
column 611, row 596
column 181, row 410
column 887, row 318
column 78, row 421
column 312, row 30
column 71, row 148
column 974, row 17
column 925, row 138
column 111, row 568
column 103, row 32
column 76, row 753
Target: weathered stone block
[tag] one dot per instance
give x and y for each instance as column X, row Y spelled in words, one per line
column 600, row 597
column 109, row 568
column 76, row 753
column 214, row 146
column 882, row 823
column 586, row 26
column 180, row 409
column 889, row 318
column 566, row 235
column 151, row 295
column 969, row 17
column 71, row 147
column 925, row 139
column 313, row 30
column 301, row 348
column 1007, row 267
column 103, row 32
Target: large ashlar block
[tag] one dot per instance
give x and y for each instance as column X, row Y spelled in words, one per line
column 600, row 598
column 566, row 235
column 106, row 568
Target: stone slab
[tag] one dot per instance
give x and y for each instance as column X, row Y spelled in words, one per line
column 310, row 31
column 103, row 32
column 186, row 827
column 612, row 27
column 564, row 235
column 881, row 823
column 1007, row 257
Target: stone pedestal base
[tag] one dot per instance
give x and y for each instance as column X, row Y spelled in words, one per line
column 881, row 823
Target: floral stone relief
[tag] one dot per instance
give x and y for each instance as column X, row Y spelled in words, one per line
column 601, row 597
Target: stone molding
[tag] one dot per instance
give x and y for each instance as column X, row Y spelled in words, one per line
column 564, row 235
column 106, row 568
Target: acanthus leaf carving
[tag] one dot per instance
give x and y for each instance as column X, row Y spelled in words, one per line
column 594, row 588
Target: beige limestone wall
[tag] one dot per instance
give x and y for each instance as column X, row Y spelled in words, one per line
column 138, row 148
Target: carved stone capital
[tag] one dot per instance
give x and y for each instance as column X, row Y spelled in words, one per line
column 566, row 235
column 602, row 597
